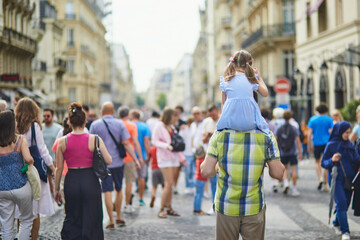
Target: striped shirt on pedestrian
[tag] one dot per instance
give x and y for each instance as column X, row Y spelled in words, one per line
column 242, row 157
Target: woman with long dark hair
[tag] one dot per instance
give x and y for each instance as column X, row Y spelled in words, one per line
column 82, row 189
column 14, row 186
column 27, row 113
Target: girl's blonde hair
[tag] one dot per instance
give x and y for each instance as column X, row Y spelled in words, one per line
column 241, row 59
column 26, row 112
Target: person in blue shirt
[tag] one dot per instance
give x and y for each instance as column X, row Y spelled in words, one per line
column 341, row 152
column 238, row 85
column 144, row 136
column 320, row 128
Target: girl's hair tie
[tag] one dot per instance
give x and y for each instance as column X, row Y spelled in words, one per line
column 247, row 63
column 232, row 59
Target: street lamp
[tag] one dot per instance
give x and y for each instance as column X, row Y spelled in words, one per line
column 323, row 68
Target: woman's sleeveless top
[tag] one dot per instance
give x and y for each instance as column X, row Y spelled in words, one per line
column 77, row 153
column 10, row 170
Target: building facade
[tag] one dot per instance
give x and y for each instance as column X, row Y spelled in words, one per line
column 181, row 86
column 327, row 53
column 122, row 85
column 49, row 64
column 17, row 49
column 88, row 75
column 159, row 87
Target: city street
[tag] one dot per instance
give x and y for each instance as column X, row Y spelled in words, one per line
column 304, row 217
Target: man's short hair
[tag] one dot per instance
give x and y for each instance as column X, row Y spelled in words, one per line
column 212, row 107
column 85, row 107
column 135, row 113
column 49, row 110
column 287, row 115
column 179, row 107
column 265, row 112
column 3, row 105
column 322, row 108
column 123, row 111
column 155, row 114
column 278, row 112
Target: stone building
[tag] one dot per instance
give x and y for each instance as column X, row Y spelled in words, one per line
column 160, row 84
column 327, row 53
column 17, row 49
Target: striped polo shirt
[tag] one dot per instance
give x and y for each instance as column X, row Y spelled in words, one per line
column 242, row 157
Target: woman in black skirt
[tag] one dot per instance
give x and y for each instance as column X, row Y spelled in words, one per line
column 82, row 189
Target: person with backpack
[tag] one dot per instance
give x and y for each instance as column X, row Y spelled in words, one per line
column 289, row 143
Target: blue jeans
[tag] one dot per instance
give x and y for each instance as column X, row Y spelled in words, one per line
column 304, row 150
column 341, row 220
column 213, row 182
column 199, row 193
column 190, row 171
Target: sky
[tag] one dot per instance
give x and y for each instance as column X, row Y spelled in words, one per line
column 155, row 33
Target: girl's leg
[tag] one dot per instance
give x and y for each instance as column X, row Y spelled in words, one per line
column 200, row 185
column 35, row 228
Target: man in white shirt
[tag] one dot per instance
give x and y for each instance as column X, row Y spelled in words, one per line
column 151, row 122
column 196, row 128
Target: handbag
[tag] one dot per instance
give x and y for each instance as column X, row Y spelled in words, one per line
column 177, row 142
column 347, row 181
column 99, row 164
column 34, row 180
column 38, row 161
column 120, row 146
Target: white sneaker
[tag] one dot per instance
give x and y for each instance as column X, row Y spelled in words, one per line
column 345, row 236
column 189, row 191
column 295, row 193
column 210, row 212
column 206, row 195
column 128, row 209
column 286, row 188
column 337, row 230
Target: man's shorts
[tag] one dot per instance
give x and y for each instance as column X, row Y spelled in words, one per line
column 157, row 177
column 318, row 150
column 116, row 178
column 142, row 172
column 130, row 172
column 289, row 159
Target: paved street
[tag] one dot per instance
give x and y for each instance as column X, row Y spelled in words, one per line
column 304, row 217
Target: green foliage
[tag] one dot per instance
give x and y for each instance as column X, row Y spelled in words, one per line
column 349, row 111
column 161, row 101
column 140, row 101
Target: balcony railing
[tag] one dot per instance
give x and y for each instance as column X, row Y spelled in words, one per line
column 226, row 47
column 18, row 39
column 270, row 31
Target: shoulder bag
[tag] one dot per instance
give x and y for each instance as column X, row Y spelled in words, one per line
column 99, row 164
column 34, row 180
column 120, row 146
column 38, row 161
column 177, row 142
column 347, row 181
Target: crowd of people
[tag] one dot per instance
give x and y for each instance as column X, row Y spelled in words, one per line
column 222, row 151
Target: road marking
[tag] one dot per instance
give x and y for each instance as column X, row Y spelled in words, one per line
column 276, row 219
column 321, row 213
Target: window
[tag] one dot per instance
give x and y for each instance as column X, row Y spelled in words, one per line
column 69, row 10
column 72, row 95
column 322, row 17
column 71, row 65
column 308, row 20
column 288, row 16
column 339, row 12
column 70, row 37
column 288, row 61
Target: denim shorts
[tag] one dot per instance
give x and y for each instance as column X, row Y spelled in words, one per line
column 116, row 178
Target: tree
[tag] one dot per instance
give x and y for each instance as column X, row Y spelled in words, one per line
column 349, row 111
column 161, row 101
column 140, row 101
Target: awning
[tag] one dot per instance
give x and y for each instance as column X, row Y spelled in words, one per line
column 4, row 96
column 350, row 57
column 41, row 95
column 26, row 92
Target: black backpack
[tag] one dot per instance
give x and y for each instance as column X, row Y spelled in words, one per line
column 286, row 137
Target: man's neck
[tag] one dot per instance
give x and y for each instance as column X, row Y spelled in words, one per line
column 49, row 124
column 125, row 119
